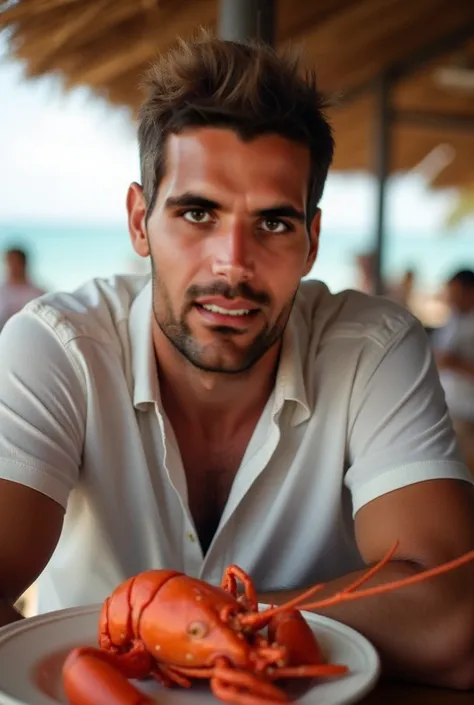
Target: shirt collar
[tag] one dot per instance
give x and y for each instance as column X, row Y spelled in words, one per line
column 289, row 383
column 145, row 376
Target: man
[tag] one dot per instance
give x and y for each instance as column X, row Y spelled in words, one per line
column 454, row 352
column 17, row 289
column 223, row 411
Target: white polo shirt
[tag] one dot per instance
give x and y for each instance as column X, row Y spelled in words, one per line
column 357, row 411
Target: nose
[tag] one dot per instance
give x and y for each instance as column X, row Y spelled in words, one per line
column 232, row 258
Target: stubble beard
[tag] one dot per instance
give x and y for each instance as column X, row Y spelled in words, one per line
column 213, row 358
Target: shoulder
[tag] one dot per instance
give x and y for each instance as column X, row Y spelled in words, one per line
column 98, row 309
column 359, row 319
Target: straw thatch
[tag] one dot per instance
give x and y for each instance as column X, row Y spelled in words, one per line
column 108, row 44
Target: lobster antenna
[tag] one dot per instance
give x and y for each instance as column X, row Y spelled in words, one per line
column 345, row 596
column 296, row 601
column 349, row 594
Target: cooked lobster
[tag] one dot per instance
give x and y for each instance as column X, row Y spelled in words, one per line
column 165, row 625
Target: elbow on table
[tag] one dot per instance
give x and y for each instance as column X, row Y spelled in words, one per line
column 458, row 662
column 461, row 675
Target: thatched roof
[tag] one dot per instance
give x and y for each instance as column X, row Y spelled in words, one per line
column 108, row 44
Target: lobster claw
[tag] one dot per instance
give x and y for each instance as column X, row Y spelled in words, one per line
column 290, row 629
column 96, row 677
column 304, row 657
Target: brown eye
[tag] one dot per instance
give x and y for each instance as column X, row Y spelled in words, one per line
column 196, row 215
column 274, row 226
column 197, row 630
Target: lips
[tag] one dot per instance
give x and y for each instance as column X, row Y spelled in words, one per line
column 219, row 304
column 235, row 313
column 226, row 311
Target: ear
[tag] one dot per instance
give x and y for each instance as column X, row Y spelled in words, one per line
column 136, row 209
column 314, row 241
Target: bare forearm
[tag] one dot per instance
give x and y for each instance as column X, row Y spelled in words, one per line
column 8, row 613
column 416, row 630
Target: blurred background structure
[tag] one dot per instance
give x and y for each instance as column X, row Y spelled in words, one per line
column 398, row 208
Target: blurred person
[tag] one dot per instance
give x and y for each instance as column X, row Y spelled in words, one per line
column 454, row 351
column 365, row 265
column 17, row 289
column 224, row 409
column 402, row 291
column 365, row 272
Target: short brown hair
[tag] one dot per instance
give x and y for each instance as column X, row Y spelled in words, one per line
column 246, row 87
column 17, row 252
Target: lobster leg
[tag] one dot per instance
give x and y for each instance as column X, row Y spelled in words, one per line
column 324, row 670
column 235, row 686
column 169, row 676
column 229, row 582
column 96, row 677
column 244, row 687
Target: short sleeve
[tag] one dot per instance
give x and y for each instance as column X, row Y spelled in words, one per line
column 400, row 431
column 42, row 408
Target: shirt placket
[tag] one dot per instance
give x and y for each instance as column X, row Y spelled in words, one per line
column 191, row 548
column 259, row 452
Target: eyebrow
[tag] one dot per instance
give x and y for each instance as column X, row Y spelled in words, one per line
column 285, row 210
column 190, row 200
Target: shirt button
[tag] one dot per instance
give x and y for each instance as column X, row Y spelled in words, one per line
column 191, row 537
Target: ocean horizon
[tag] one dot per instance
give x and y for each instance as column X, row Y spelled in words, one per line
column 65, row 255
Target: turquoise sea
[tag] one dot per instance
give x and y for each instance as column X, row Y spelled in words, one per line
column 63, row 256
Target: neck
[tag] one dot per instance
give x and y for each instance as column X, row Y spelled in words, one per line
column 202, row 398
column 16, row 280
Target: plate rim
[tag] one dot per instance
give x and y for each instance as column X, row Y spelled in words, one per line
column 313, row 617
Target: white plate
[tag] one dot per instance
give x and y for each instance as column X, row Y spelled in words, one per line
column 32, row 652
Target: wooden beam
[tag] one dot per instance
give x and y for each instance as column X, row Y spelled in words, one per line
column 444, row 121
column 381, row 157
column 404, row 67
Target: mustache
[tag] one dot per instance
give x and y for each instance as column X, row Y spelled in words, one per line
column 221, row 288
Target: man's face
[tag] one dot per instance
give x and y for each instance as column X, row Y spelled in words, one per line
column 15, row 265
column 228, row 244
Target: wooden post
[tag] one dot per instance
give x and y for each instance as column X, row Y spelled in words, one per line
column 241, row 20
column 382, row 143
